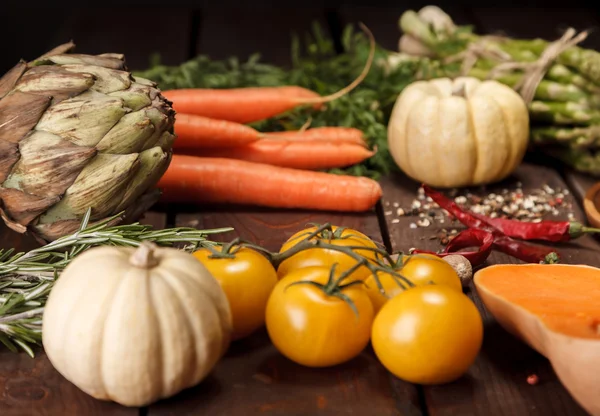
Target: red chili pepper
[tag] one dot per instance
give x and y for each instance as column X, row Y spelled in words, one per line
column 471, row 237
column 525, row 251
column 545, row 230
column 555, row 231
column 467, row 218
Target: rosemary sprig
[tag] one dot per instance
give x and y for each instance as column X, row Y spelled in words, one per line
column 26, row 278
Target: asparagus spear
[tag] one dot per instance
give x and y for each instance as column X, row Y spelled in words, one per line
column 575, row 137
column 582, row 160
column 546, row 90
column 584, row 61
column 564, row 75
column 563, row 113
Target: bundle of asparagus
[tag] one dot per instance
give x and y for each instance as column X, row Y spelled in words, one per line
column 559, row 80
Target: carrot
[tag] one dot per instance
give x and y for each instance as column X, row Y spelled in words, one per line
column 199, row 132
column 193, row 179
column 246, row 105
column 314, row 154
column 331, row 134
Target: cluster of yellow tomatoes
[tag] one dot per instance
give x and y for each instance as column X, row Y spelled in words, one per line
column 428, row 334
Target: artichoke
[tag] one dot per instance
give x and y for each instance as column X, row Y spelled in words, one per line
column 79, row 132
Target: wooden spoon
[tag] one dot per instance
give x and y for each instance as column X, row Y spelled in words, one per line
column 591, row 205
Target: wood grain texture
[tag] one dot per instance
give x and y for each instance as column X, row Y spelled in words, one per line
column 254, row 379
column 32, row 387
column 244, row 31
column 497, row 380
column 269, row 227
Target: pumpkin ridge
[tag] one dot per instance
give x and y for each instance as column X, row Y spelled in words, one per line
column 155, row 300
column 509, row 142
column 476, row 143
column 438, row 128
column 221, row 304
column 406, row 125
column 187, row 382
column 109, row 310
column 180, row 288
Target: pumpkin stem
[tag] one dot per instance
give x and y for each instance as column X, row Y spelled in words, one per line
column 143, row 257
column 460, row 90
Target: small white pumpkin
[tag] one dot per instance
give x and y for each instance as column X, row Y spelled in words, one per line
column 454, row 133
column 136, row 325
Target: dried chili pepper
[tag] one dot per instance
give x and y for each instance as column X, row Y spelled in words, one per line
column 466, row 217
column 524, row 251
column 471, row 237
column 555, row 231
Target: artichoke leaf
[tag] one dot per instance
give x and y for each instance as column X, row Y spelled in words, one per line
column 9, row 155
column 128, row 135
column 99, row 186
column 166, row 141
column 107, row 80
column 48, row 165
column 83, row 120
column 56, row 82
column 153, row 164
column 80, row 59
column 21, row 208
column 19, row 113
column 8, row 80
column 137, row 96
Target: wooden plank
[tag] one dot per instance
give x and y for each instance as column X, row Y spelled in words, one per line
column 33, row 387
column 579, row 183
column 496, row 383
column 156, row 219
column 253, row 378
column 241, row 32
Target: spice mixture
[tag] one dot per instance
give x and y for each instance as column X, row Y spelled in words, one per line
column 534, row 206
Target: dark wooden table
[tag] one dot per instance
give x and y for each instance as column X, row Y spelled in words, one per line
column 253, row 378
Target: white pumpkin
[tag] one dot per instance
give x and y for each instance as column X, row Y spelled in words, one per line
column 135, row 325
column 455, row 133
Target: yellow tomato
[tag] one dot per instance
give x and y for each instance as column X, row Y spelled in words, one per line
column 327, row 257
column 312, row 328
column 247, row 280
column 428, row 335
column 420, row 270
column 390, row 286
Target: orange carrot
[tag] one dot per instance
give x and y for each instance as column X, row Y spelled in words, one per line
column 313, row 154
column 330, row 134
column 199, row 132
column 241, row 105
column 246, row 105
column 199, row 180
